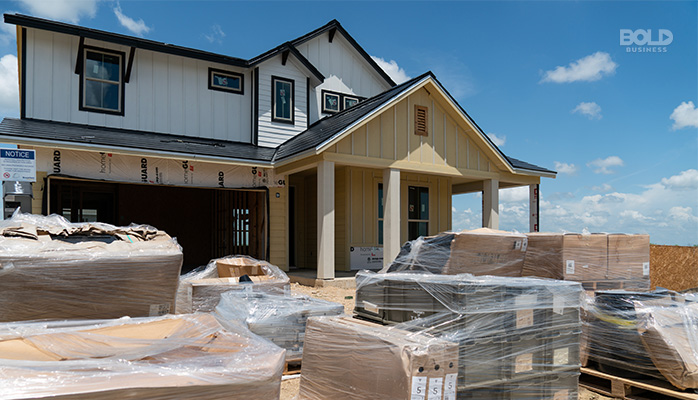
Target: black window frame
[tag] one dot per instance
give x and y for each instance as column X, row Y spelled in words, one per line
column 414, row 217
column 341, row 97
column 282, row 120
column 122, row 83
column 226, row 89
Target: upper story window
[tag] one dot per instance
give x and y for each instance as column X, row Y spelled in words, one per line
column 102, row 81
column 282, row 99
column 225, row 81
column 333, row 102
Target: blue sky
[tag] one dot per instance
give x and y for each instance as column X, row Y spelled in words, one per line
column 549, row 81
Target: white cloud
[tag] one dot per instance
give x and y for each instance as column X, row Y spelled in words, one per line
column 603, row 188
column 604, row 165
column 590, row 68
column 64, row 10
column 564, row 168
column 392, row 69
column 9, row 86
column 8, row 32
column 685, row 180
column 591, row 110
column 216, row 34
column 516, row 194
column 137, row 27
column 499, row 141
column 686, row 114
column 683, row 214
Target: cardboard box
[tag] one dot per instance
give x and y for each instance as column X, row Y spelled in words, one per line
column 487, row 252
column 345, row 358
column 182, row 357
column 628, row 256
column 58, row 278
column 569, row 256
column 238, row 266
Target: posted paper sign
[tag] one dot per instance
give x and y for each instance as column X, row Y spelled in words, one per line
column 17, row 165
column 366, row 257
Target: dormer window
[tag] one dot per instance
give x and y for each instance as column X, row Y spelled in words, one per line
column 101, row 81
column 334, row 102
column 225, row 81
column 282, row 100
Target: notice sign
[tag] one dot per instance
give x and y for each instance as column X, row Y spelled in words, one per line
column 17, row 165
column 366, row 257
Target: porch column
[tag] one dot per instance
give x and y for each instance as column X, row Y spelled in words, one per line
column 534, row 207
column 391, row 214
column 325, row 220
column 490, row 203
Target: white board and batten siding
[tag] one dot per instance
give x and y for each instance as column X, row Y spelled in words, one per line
column 166, row 93
column 345, row 70
column 271, row 133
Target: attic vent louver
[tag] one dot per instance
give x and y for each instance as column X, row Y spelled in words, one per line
column 420, row 120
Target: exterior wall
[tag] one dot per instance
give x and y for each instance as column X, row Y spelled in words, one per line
column 278, row 227
column 270, row 133
column 344, row 68
column 390, row 136
column 166, row 93
column 305, row 187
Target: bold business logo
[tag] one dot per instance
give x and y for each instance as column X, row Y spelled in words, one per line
column 646, row 40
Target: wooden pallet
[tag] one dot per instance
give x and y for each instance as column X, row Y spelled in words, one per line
column 631, row 389
column 292, row 367
column 612, row 284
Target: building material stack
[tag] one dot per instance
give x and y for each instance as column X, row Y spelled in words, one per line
column 517, row 337
column 200, row 289
column 53, row 269
column 281, row 318
column 183, row 357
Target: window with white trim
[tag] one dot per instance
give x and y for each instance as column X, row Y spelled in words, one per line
column 282, row 99
column 102, row 81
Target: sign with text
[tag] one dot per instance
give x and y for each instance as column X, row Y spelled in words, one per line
column 17, row 165
column 366, row 257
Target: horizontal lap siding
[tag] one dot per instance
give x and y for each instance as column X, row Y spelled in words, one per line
column 272, row 134
column 166, row 93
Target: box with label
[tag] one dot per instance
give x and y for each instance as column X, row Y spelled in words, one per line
column 569, row 256
column 345, row 358
column 487, row 252
column 182, row 357
column 53, row 269
column 200, row 290
column 628, row 256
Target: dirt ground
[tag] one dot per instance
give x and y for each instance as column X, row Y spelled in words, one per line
column 291, row 386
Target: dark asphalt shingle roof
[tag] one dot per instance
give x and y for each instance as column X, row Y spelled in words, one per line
column 132, row 139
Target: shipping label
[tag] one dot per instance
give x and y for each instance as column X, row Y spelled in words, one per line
column 435, row 388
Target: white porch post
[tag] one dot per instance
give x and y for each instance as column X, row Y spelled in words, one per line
column 391, row 214
column 325, row 220
column 534, row 207
column 490, row 203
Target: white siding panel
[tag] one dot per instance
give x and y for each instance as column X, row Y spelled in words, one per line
column 270, row 133
column 166, row 93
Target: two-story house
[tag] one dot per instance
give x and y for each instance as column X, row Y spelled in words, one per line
column 305, row 155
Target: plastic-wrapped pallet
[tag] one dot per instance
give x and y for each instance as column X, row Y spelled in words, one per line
column 200, row 289
column 281, row 318
column 517, row 337
column 51, row 268
column 479, row 252
column 182, row 357
column 346, row 358
column 644, row 333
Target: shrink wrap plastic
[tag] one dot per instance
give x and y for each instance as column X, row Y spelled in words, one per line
column 516, row 337
column 643, row 333
column 200, row 289
column 54, row 269
column 281, row 318
column 182, row 357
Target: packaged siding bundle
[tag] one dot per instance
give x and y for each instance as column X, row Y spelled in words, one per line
column 516, row 337
column 182, row 357
column 599, row 260
column 54, row 269
column 281, row 318
column 479, row 252
column 644, row 333
column 200, row 289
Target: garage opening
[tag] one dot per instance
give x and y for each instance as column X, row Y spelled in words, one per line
column 208, row 223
